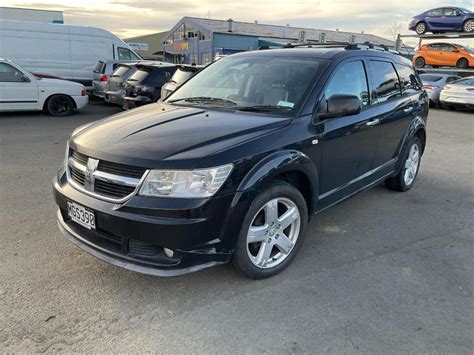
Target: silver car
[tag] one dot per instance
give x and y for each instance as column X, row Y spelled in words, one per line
column 115, row 90
column 458, row 94
column 102, row 71
column 434, row 83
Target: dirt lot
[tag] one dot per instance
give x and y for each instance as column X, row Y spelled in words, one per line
column 381, row 272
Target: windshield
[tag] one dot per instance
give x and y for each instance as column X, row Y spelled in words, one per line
column 465, row 82
column 470, row 50
column 139, row 75
column 245, row 82
column 466, row 11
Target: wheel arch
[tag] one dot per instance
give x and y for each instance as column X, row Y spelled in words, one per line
column 45, row 103
column 291, row 166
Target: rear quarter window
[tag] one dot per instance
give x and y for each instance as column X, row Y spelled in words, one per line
column 410, row 83
column 384, row 80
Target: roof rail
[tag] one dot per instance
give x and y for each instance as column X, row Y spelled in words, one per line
column 351, row 46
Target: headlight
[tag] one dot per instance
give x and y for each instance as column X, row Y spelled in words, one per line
column 185, row 183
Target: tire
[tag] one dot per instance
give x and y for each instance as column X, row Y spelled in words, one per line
column 420, row 62
column 468, row 26
column 462, row 63
column 270, row 233
column 60, row 105
column 420, row 28
column 406, row 177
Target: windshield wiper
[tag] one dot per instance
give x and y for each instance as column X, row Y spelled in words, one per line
column 206, row 100
column 264, row 108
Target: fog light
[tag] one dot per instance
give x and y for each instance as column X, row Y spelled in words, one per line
column 168, row 252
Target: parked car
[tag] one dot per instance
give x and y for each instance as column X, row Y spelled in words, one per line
column 66, row 51
column 181, row 75
column 443, row 19
column 434, row 83
column 22, row 91
column 144, row 86
column 458, row 94
column 102, row 72
column 116, row 84
column 444, row 54
column 200, row 180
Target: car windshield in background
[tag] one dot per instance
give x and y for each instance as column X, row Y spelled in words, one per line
column 120, row 71
column 430, row 78
column 466, row 11
column 465, row 82
column 251, row 83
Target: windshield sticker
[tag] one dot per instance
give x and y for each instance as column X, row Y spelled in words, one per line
column 285, row 104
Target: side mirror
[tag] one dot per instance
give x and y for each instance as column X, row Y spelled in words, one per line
column 455, row 50
column 25, row 79
column 341, row 105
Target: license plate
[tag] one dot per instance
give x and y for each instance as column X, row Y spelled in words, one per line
column 81, row 215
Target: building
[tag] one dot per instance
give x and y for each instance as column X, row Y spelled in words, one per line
column 200, row 40
column 31, row 15
column 148, row 46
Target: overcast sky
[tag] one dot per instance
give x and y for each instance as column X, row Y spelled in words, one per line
column 128, row 18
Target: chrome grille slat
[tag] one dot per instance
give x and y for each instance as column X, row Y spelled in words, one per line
column 106, row 180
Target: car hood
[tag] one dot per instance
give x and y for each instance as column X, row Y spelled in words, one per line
column 45, row 82
column 163, row 135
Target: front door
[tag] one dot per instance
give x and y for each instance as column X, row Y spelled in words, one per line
column 17, row 90
column 348, row 143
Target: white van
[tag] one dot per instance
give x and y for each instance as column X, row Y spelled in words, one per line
column 69, row 52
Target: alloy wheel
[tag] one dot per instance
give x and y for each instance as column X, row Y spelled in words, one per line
column 420, row 28
column 469, row 26
column 411, row 164
column 273, row 232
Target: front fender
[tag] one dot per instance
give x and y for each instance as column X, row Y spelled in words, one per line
column 261, row 174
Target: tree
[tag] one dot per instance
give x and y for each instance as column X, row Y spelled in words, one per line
column 394, row 29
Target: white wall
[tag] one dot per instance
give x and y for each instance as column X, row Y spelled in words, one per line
column 33, row 15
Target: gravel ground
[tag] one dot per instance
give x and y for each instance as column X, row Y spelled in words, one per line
column 381, row 272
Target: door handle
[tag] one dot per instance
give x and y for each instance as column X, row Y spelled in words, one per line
column 408, row 109
column 373, row 122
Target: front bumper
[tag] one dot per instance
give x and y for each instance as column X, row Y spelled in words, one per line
column 81, row 101
column 132, row 235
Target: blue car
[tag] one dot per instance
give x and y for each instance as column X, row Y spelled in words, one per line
column 443, row 19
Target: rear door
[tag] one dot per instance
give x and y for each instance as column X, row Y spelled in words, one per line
column 397, row 100
column 18, row 91
column 435, row 19
column 348, row 143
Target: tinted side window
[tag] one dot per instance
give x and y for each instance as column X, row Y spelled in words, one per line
column 385, row 80
column 10, row 74
column 409, row 81
column 349, row 79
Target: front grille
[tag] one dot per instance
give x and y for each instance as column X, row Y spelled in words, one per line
column 110, row 180
column 77, row 176
column 111, row 189
column 81, row 158
column 121, row 169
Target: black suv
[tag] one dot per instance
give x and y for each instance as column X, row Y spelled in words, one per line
column 144, row 85
column 234, row 163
